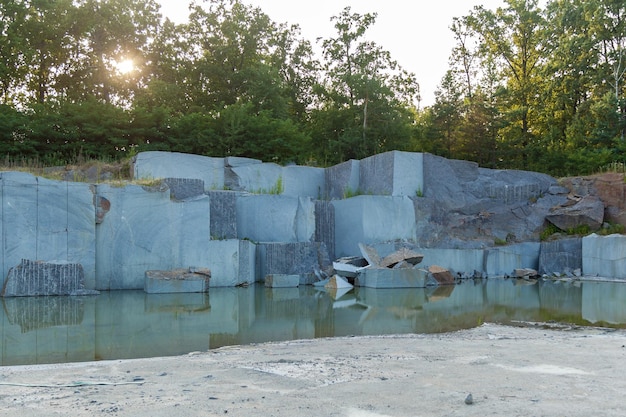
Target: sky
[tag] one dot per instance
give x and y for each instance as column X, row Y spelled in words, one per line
column 416, row 33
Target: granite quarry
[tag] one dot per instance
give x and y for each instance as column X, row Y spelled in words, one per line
column 238, row 221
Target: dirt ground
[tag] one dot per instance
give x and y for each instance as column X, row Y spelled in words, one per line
column 529, row 370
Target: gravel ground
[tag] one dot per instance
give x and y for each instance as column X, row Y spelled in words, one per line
column 530, row 370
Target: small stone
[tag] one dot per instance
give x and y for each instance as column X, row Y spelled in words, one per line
column 469, row 400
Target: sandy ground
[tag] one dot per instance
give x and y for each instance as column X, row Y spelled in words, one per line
column 510, row 371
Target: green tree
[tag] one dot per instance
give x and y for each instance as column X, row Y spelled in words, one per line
column 365, row 96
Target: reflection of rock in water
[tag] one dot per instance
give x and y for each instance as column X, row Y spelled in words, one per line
column 32, row 313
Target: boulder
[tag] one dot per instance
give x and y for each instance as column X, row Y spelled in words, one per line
column 585, row 211
column 525, row 273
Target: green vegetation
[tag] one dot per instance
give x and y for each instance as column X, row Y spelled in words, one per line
column 529, row 87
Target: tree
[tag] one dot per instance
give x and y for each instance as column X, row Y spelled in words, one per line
column 515, row 36
column 365, row 96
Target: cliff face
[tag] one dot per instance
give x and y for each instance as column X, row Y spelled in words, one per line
column 610, row 188
column 244, row 219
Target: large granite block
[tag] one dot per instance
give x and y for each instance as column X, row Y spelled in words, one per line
column 223, row 214
column 145, row 230
column 282, row 281
column 502, row 261
column 372, row 219
column 392, row 173
column 184, row 188
column 301, row 258
column 395, row 278
column 275, row 218
column 157, row 164
column 342, row 180
column 47, row 220
column 232, row 262
column 301, row 181
column 265, row 178
column 560, row 255
column 34, row 278
column 604, row 256
column 325, row 225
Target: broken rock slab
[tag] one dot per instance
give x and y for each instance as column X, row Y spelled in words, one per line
column 35, row 278
column 525, row 273
column 401, row 255
column 586, row 211
column 441, row 275
column 181, row 280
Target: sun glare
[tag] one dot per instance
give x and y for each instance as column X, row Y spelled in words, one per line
column 125, row 66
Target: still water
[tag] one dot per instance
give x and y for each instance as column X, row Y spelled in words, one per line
column 132, row 324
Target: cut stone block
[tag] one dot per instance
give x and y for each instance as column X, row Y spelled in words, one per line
column 275, row 218
column 232, row 262
column 187, row 280
column 504, row 260
column 157, row 164
column 302, row 181
column 34, row 278
column 264, row 178
column 392, row 173
column 45, row 219
column 395, row 278
column 604, row 256
column 282, row 280
column 560, row 255
column 223, row 214
column 184, row 188
column 302, row 258
column 342, row 180
column 145, row 230
column 370, row 219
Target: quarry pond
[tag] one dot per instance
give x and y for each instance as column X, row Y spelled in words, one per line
column 133, row 324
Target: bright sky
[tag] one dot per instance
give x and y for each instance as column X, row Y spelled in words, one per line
column 416, row 33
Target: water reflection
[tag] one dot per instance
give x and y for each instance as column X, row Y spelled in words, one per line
column 130, row 324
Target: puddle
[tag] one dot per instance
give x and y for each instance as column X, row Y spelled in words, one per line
column 132, row 324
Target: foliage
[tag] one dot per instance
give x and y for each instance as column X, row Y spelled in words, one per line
column 527, row 87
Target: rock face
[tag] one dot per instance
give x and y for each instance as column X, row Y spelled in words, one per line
column 586, row 211
column 293, row 220
column 34, row 278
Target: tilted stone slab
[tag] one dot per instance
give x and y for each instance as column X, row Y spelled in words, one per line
column 604, row 256
column 560, row 255
column 502, row 261
column 35, row 278
column 275, row 218
column 371, row 219
column 157, row 164
column 393, row 173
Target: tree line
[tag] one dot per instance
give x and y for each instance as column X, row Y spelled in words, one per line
column 527, row 87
